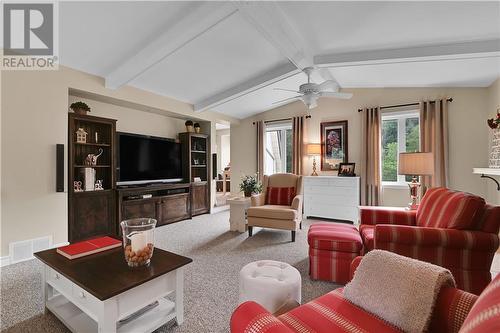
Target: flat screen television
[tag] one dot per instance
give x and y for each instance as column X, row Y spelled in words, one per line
column 147, row 159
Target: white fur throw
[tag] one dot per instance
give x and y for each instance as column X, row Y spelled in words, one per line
column 398, row 289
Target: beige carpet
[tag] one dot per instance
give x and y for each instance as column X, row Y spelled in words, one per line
column 211, row 281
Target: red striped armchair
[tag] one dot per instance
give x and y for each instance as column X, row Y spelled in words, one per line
column 452, row 229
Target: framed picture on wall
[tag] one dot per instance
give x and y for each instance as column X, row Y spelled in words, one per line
column 333, row 144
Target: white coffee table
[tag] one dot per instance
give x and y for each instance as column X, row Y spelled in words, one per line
column 237, row 213
column 100, row 293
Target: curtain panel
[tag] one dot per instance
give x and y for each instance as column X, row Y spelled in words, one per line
column 298, row 144
column 434, row 138
column 371, row 145
column 261, row 139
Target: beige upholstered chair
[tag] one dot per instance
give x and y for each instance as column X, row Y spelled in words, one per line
column 282, row 217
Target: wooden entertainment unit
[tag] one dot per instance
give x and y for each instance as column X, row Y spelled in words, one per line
column 94, row 213
column 166, row 203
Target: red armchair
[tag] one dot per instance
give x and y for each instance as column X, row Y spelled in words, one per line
column 455, row 230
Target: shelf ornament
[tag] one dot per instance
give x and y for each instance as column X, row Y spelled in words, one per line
column 81, row 136
column 494, row 158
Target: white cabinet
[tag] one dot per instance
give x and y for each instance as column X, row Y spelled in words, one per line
column 332, row 197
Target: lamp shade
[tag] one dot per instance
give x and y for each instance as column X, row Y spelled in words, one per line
column 416, row 164
column 313, row 149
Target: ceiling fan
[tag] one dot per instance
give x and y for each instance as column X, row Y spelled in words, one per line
column 310, row 91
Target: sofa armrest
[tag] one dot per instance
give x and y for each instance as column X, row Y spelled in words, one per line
column 435, row 237
column 297, row 203
column 451, row 308
column 251, row 317
column 354, row 265
column 258, row 199
column 387, row 215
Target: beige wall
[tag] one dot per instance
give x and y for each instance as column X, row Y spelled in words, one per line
column 468, row 137
column 34, row 119
column 493, row 103
column 132, row 121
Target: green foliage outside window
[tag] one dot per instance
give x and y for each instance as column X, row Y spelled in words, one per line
column 390, row 149
column 289, row 150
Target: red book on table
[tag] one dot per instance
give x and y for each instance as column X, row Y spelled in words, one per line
column 91, row 246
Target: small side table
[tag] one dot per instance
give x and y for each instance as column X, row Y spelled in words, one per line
column 237, row 214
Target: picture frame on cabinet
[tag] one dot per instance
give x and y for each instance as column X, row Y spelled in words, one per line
column 334, row 144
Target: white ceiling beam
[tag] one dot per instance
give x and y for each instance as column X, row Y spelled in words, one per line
column 277, row 74
column 465, row 50
column 276, row 28
column 274, row 25
column 268, row 19
column 197, row 22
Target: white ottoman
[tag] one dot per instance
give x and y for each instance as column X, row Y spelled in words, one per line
column 270, row 283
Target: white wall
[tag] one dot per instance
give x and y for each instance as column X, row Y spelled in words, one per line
column 468, row 137
column 34, row 119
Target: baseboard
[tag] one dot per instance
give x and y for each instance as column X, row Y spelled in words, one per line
column 6, row 260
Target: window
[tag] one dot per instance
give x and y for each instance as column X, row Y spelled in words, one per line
column 400, row 133
column 278, row 148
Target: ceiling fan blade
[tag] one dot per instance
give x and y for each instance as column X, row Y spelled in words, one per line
column 339, row 95
column 330, row 85
column 295, row 91
column 326, row 74
column 288, row 99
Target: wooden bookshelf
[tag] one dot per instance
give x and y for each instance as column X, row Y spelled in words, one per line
column 196, row 160
column 91, row 213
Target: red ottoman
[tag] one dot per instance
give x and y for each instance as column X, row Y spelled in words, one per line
column 332, row 247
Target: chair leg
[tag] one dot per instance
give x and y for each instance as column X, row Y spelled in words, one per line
column 250, row 230
column 300, row 226
column 293, row 236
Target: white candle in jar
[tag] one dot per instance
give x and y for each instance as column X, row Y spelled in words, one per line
column 139, row 241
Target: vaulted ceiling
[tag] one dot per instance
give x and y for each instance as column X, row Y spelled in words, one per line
column 229, row 56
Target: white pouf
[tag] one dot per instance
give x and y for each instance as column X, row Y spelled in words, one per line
column 270, row 283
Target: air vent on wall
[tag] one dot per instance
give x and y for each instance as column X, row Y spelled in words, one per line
column 23, row 250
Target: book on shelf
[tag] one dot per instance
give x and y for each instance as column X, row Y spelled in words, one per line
column 91, row 246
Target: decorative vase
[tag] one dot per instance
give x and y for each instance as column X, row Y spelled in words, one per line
column 80, row 111
column 494, row 161
column 248, row 194
column 138, row 241
column 197, row 129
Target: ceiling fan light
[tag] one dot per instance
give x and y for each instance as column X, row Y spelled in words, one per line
column 310, row 100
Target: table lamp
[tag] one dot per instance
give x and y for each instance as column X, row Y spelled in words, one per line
column 415, row 164
column 314, row 149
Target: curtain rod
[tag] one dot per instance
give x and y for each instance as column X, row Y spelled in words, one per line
column 409, row 104
column 283, row 119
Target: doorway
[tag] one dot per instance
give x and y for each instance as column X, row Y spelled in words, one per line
column 223, row 164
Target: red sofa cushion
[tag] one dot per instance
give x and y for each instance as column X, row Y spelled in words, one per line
column 339, row 237
column 368, row 235
column 490, row 219
column 444, row 208
column 332, row 313
column 484, row 317
column 372, row 215
column 280, row 196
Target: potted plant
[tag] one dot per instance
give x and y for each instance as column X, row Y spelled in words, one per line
column 250, row 185
column 197, row 127
column 189, row 125
column 80, row 108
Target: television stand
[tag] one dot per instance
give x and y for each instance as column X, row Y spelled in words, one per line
column 165, row 202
